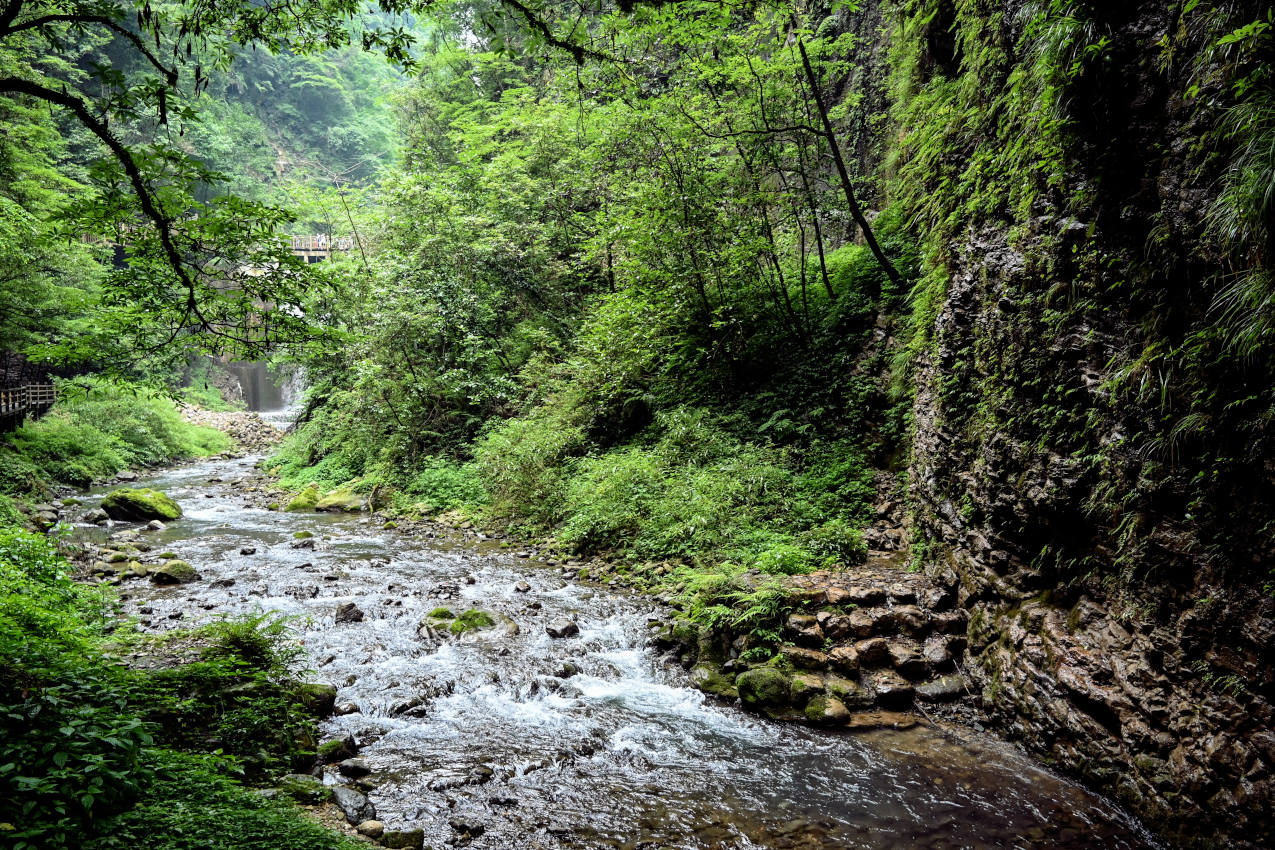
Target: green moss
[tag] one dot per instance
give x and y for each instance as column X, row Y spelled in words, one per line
column 470, row 620
column 306, row 500
column 763, row 687
column 442, row 614
column 341, row 500
column 140, row 504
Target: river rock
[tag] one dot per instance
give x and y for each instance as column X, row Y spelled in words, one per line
column 306, row 500
column 891, row 688
column 827, row 711
column 805, row 630
column 348, row 612
column 341, row 500
column 354, row 768
column 95, row 516
column 905, row 658
column 248, row 550
column 155, row 525
column 803, row 658
column 762, row 687
column 522, row 587
column 468, row 827
column 174, row 571
column 370, row 829
column 318, row 698
column 562, row 629
column 712, row 681
column 338, row 749
column 412, row 839
column 355, row 806
column 943, row 689
column 126, row 475
column 844, row 659
column 140, row 505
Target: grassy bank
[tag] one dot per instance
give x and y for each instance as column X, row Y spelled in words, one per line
column 98, row 755
column 96, row 431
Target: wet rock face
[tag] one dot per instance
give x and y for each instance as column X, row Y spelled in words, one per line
column 1149, row 671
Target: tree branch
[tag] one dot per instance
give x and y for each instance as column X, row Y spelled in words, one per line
column 98, row 127
column 170, row 74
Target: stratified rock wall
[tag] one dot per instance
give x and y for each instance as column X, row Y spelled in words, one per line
column 1090, row 467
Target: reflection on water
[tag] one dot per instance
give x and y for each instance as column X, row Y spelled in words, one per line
column 620, row 754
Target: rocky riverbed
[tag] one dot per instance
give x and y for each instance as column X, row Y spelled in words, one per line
column 493, row 700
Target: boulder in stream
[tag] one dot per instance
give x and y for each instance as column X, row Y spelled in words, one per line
column 348, row 612
column 763, row 687
column 305, row 789
column 305, row 500
column 173, row 571
column 140, row 505
column 562, row 629
column 353, row 805
column 370, row 829
column 354, row 768
column 319, row 698
column 408, row 839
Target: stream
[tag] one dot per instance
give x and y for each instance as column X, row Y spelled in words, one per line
column 622, row 754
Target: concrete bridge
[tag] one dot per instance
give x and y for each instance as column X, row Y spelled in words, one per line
column 318, row 247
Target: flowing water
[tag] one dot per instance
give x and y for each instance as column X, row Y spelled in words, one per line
column 622, row 754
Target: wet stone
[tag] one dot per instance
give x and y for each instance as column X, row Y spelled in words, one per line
column 805, row 659
column 891, row 688
column 936, row 652
column 353, row 805
column 348, row 612
column 844, row 659
column 354, row 768
column 562, row 629
column 943, row 689
column 804, row 629
column 905, row 658
column 872, row 652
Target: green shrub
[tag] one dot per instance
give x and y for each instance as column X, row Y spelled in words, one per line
column 444, row 484
column 524, row 465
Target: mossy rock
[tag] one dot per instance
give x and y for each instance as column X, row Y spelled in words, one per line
column 305, row 789
column 302, row 535
column 166, row 556
column 175, row 571
column 470, row 620
column 763, row 687
column 713, row 681
column 306, row 500
column 826, row 711
column 116, row 558
column 140, row 505
column 342, row 500
column 317, row 698
column 390, row 525
column 442, row 614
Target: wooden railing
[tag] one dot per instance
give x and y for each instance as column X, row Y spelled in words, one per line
column 31, row 399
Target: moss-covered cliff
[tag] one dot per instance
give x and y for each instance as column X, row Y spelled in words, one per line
column 1091, row 366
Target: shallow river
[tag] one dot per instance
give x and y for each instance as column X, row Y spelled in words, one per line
column 622, row 754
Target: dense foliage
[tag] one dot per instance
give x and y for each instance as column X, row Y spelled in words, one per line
column 99, row 755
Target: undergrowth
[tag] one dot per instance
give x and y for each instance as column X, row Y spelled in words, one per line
column 98, row 755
